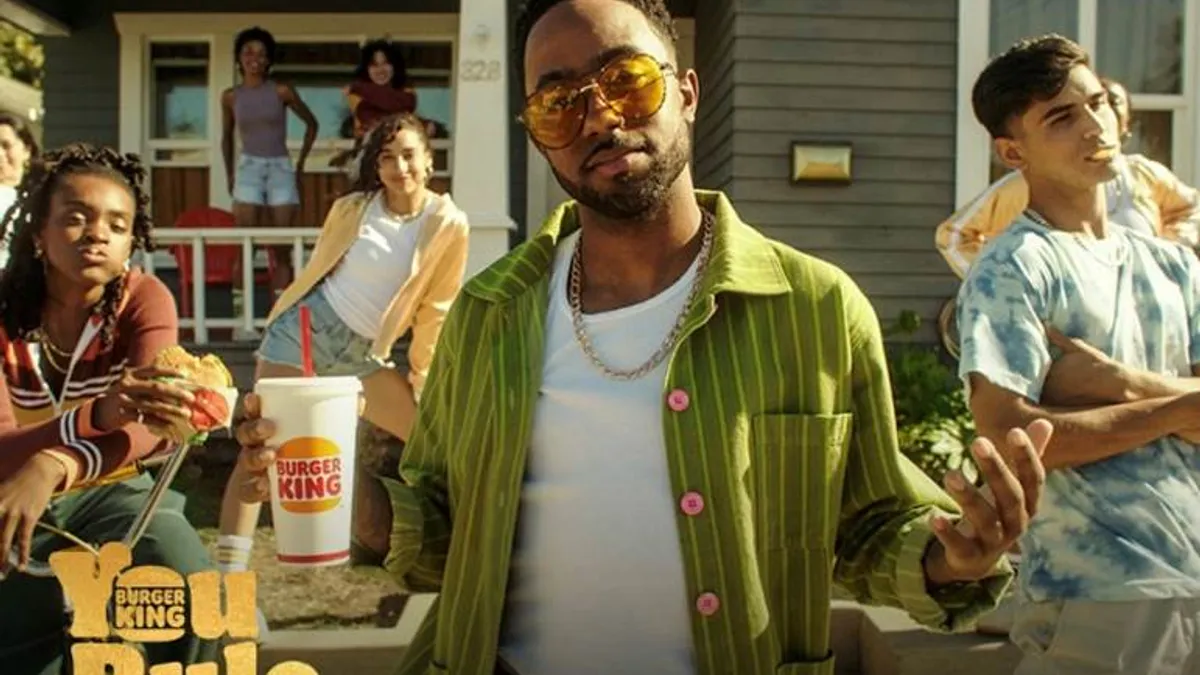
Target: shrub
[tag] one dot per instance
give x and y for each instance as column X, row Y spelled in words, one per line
column 933, row 421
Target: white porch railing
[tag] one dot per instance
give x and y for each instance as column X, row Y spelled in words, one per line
column 250, row 239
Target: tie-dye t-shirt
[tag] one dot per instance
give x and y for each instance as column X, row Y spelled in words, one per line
column 1127, row 527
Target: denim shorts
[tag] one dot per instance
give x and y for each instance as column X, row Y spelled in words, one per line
column 337, row 350
column 266, row 181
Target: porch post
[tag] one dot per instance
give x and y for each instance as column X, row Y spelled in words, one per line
column 480, row 165
column 221, row 76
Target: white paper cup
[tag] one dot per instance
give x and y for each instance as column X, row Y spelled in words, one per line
column 312, row 480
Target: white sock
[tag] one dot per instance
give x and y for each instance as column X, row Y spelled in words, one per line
column 233, row 552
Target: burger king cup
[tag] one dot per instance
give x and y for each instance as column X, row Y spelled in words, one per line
column 312, row 480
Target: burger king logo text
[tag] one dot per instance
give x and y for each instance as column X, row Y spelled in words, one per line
column 154, row 605
column 150, row 604
column 310, row 475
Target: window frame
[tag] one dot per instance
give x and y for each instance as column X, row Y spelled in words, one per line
column 151, row 145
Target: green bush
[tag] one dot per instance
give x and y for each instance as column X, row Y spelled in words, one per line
column 932, row 418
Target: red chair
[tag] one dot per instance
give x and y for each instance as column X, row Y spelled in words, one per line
column 221, row 261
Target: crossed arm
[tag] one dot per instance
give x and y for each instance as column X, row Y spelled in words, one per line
column 1099, row 407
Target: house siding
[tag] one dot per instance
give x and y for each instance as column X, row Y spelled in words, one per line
column 80, row 88
column 879, row 74
column 714, row 132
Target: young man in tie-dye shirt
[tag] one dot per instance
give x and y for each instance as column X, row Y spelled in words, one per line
column 1097, row 327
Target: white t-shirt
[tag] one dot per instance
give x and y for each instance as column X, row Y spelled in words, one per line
column 597, row 579
column 376, row 266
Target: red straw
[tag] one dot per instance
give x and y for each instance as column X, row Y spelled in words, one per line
column 306, row 341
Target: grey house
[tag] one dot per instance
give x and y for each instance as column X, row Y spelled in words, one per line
column 888, row 78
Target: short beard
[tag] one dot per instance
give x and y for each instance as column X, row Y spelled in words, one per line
column 636, row 198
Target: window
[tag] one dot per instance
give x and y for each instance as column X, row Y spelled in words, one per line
column 177, row 144
column 318, row 71
column 1152, row 135
column 180, row 91
column 1141, row 45
column 1012, row 20
column 179, row 102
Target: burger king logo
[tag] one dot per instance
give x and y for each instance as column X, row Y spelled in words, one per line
column 310, row 475
column 150, row 605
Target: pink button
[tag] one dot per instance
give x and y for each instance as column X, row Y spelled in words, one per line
column 678, row 400
column 692, row 503
column 708, row 604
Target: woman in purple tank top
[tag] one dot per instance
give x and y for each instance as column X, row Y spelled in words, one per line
column 263, row 183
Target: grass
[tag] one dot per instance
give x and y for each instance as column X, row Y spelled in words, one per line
column 331, row 597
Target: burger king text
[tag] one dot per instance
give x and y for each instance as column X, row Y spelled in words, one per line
column 309, row 471
column 156, row 604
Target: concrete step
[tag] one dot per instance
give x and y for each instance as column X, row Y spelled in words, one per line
column 866, row 641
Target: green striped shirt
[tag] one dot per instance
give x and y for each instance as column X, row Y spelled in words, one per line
column 790, row 436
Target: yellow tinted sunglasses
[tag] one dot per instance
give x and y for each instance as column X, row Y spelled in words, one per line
column 632, row 86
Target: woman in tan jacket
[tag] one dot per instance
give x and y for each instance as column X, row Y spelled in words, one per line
column 390, row 258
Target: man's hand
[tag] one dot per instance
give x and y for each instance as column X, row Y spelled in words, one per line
column 23, row 500
column 991, row 524
column 1084, row 375
column 256, row 457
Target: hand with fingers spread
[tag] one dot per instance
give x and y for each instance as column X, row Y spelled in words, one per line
column 1084, row 375
column 23, row 499
column 146, row 396
column 256, row 457
column 995, row 516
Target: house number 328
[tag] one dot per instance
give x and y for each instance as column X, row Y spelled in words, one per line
column 479, row 70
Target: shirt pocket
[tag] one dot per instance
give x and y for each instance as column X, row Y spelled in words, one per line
column 799, row 464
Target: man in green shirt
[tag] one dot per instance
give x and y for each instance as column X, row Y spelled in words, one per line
column 651, row 438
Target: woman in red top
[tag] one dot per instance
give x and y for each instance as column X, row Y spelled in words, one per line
column 380, row 89
column 78, row 399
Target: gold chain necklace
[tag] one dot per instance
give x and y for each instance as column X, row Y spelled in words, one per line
column 52, row 352
column 44, row 339
column 575, row 296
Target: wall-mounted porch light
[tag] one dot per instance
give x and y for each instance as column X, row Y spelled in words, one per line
column 821, row 162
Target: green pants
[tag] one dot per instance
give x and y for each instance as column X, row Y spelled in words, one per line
column 32, row 623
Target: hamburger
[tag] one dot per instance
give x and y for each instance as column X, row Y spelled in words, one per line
column 211, row 384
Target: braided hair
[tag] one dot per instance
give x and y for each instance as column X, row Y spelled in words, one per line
column 378, row 138
column 23, row 282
